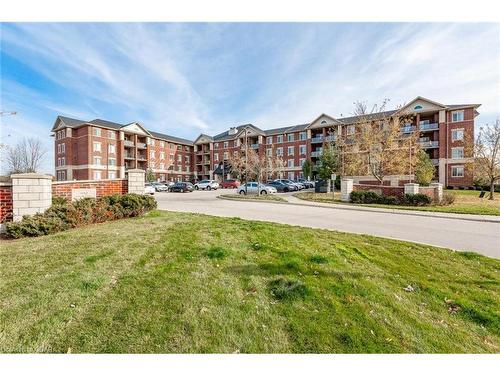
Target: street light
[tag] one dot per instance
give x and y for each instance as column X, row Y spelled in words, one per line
column 246, row 162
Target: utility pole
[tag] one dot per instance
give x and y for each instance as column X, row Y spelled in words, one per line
column 246, row 162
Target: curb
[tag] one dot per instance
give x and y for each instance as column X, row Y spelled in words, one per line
column 369, row 209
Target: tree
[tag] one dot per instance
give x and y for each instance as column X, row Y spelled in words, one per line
column 307, row 169
column 375, row 145
column 150, row 175
column 257, row 166
column 26, row 156
column 486, row 165
column 424, row 169
column 329, row 162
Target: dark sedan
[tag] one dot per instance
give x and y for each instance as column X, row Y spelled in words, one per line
column 182, row 187
column 282, row 187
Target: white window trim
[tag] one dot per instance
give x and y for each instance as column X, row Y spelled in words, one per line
column 457, row 148
column 454, row 167
column 463, row 116
column 455, row 131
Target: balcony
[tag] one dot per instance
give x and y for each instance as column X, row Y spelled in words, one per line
column 129, row 157
column 429, row 144
column 128, row 143
column 408, row 129
column 141, row 145
column 331, row 138
column 318, row 139
column 429, row 127
column 316, row 154
column 141, row 157
column 255, row 146
column 435, row 161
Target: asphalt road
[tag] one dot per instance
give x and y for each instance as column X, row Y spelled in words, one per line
column 452, row 233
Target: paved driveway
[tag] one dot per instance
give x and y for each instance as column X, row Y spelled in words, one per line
column 457, row 234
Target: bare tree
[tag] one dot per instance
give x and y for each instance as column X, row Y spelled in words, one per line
column 486, row 164
column 375, row 144
column 26, row 156
column 256, row 165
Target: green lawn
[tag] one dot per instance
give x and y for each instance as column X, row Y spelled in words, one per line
column 253, row 197
column 184, row 283
column 466, row 202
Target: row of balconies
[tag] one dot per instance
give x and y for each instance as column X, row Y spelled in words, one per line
column 423, row 127
column 128, row 143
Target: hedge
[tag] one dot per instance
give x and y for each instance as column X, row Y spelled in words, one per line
column 63, row 215
column 370, row 197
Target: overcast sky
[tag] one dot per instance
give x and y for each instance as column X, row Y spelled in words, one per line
column 184, row 79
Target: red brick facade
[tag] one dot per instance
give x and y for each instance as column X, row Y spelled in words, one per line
column 103, row 188
column 5, row 202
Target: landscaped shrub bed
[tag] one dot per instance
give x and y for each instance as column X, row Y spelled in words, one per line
column 63, row 215
column 370, row 197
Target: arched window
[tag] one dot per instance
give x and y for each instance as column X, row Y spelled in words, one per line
column 418, row 107
column 323, row 122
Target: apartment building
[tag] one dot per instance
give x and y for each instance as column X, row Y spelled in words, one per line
column 99, row 149
column 443, row 131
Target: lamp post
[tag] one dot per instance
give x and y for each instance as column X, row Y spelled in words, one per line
column 246, row 162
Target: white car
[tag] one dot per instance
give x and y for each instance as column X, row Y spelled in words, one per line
column 149, row 189
column 206, row 185
column 256, row 188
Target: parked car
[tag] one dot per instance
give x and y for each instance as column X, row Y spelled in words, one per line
column 306, row 183
column 292, row 185
column 281, row 187
column 206, row 185
column 158, row 186
column 230, row 184
column 149, row 189
column 182, row 187
column 256, row 188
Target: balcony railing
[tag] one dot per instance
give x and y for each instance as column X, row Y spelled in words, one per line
column 129, row 156
column 331, row 138
column 425, row 127
column 141, row 157
column 254, row 146
column 316, row 154
column 317, row 139
column 435, row 161
column 429, row 144
column 141, row 145
column 408, row 129
column 128, row 143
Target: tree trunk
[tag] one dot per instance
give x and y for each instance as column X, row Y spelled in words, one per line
column 492, row 189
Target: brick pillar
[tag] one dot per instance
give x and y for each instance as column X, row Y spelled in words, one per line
column 438, row 191
column 31, row 194
column 346, row 186
column 136, row 181
column 411, row 189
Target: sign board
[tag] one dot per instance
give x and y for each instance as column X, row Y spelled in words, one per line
column 83, row 193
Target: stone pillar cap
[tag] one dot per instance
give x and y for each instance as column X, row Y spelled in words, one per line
column 32, row 175
column 136, row 170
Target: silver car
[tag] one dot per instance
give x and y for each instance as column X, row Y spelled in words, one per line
column 206, row 185
column 256, row 188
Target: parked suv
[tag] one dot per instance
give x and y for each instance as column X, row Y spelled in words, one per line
column 306, row 183
column 290, row 182
column 256, row 188
column 230, row 184
column 182, row 187
column 159, row 186
column 206, row 185
column 281, row 187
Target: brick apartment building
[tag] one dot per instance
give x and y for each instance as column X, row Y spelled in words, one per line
column 100, row 149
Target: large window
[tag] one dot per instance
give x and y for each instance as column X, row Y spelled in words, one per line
column 111, row 161
column 302, row 149
column 111, row 174
column 97, row 175
column 290, row 150
column 457, row 116
column 96, row 132
column 457, row 134
column 269, row 152
column 152, row 153
column 457, row 152
column 269, row 140
column 457, row 171
column 111, row 149
column 97, row 146
column 279, row 139
column 97, row 160
column 279, row 151
column 290, row 137
column 111, row 134
column 303, row 136
column 290, row 163
column 162, row 155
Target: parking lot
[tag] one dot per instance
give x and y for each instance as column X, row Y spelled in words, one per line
column 482, row 237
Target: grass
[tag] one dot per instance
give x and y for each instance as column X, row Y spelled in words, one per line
column 253, row 197
column 185, row 283
column 466, row 202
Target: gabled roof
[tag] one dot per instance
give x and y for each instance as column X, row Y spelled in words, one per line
column 369, row 116
column 324, row 115
column 286, row 129
column 106, row 124
column 239, row 129
column 68, row 121
column 203, row 135
column 172, row 139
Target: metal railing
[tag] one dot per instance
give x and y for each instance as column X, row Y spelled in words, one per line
column 408, row 129
column 435, row 161
column 429, row 144
column 331, row 138
column 317, row 139
column 141, row 145
column 316, row 154
column 254, row 146
column 128, row 143
column 424, row 127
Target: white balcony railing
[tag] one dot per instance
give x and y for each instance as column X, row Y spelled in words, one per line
column 408, row 129
column 424, row 127
column 429, row 144
column 316, row 154
column 318, row 139
column 128, row 143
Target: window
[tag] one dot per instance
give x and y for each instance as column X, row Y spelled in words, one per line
column 186, row 159
column 457, row 116
column 323, row 122
column 111, row 149
column 290, row 163
column 290, row 137
column 291, row 175
column 216, row 146
column 97, row 175
column 457, row 152
column 279, row 139
column 418, row 107
column 152, row 153
column 63, row 148
column 303, row 136
column 179, row 168
column 302, row 161
column 58, row 149
column 63, row 161
column 162, row 155
column 111, row 134
column 269, row 152
column 457, row 134
column 111, row 174
column 302, row 149
column 225, row 156
column 179, row 147
column 179, row 158
column 171, row 146
column 171, row 157
column 111, row 161
column 457, row 171
column 96, row 132
column 162, row 166
column 97, row 146
column 97, row 160
column 279, row 151
column 350, row 129
column 290, row 150
column 216, row 157
column 162, row 144
column 186, row 148
column 226, row 144
column 269, row 140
